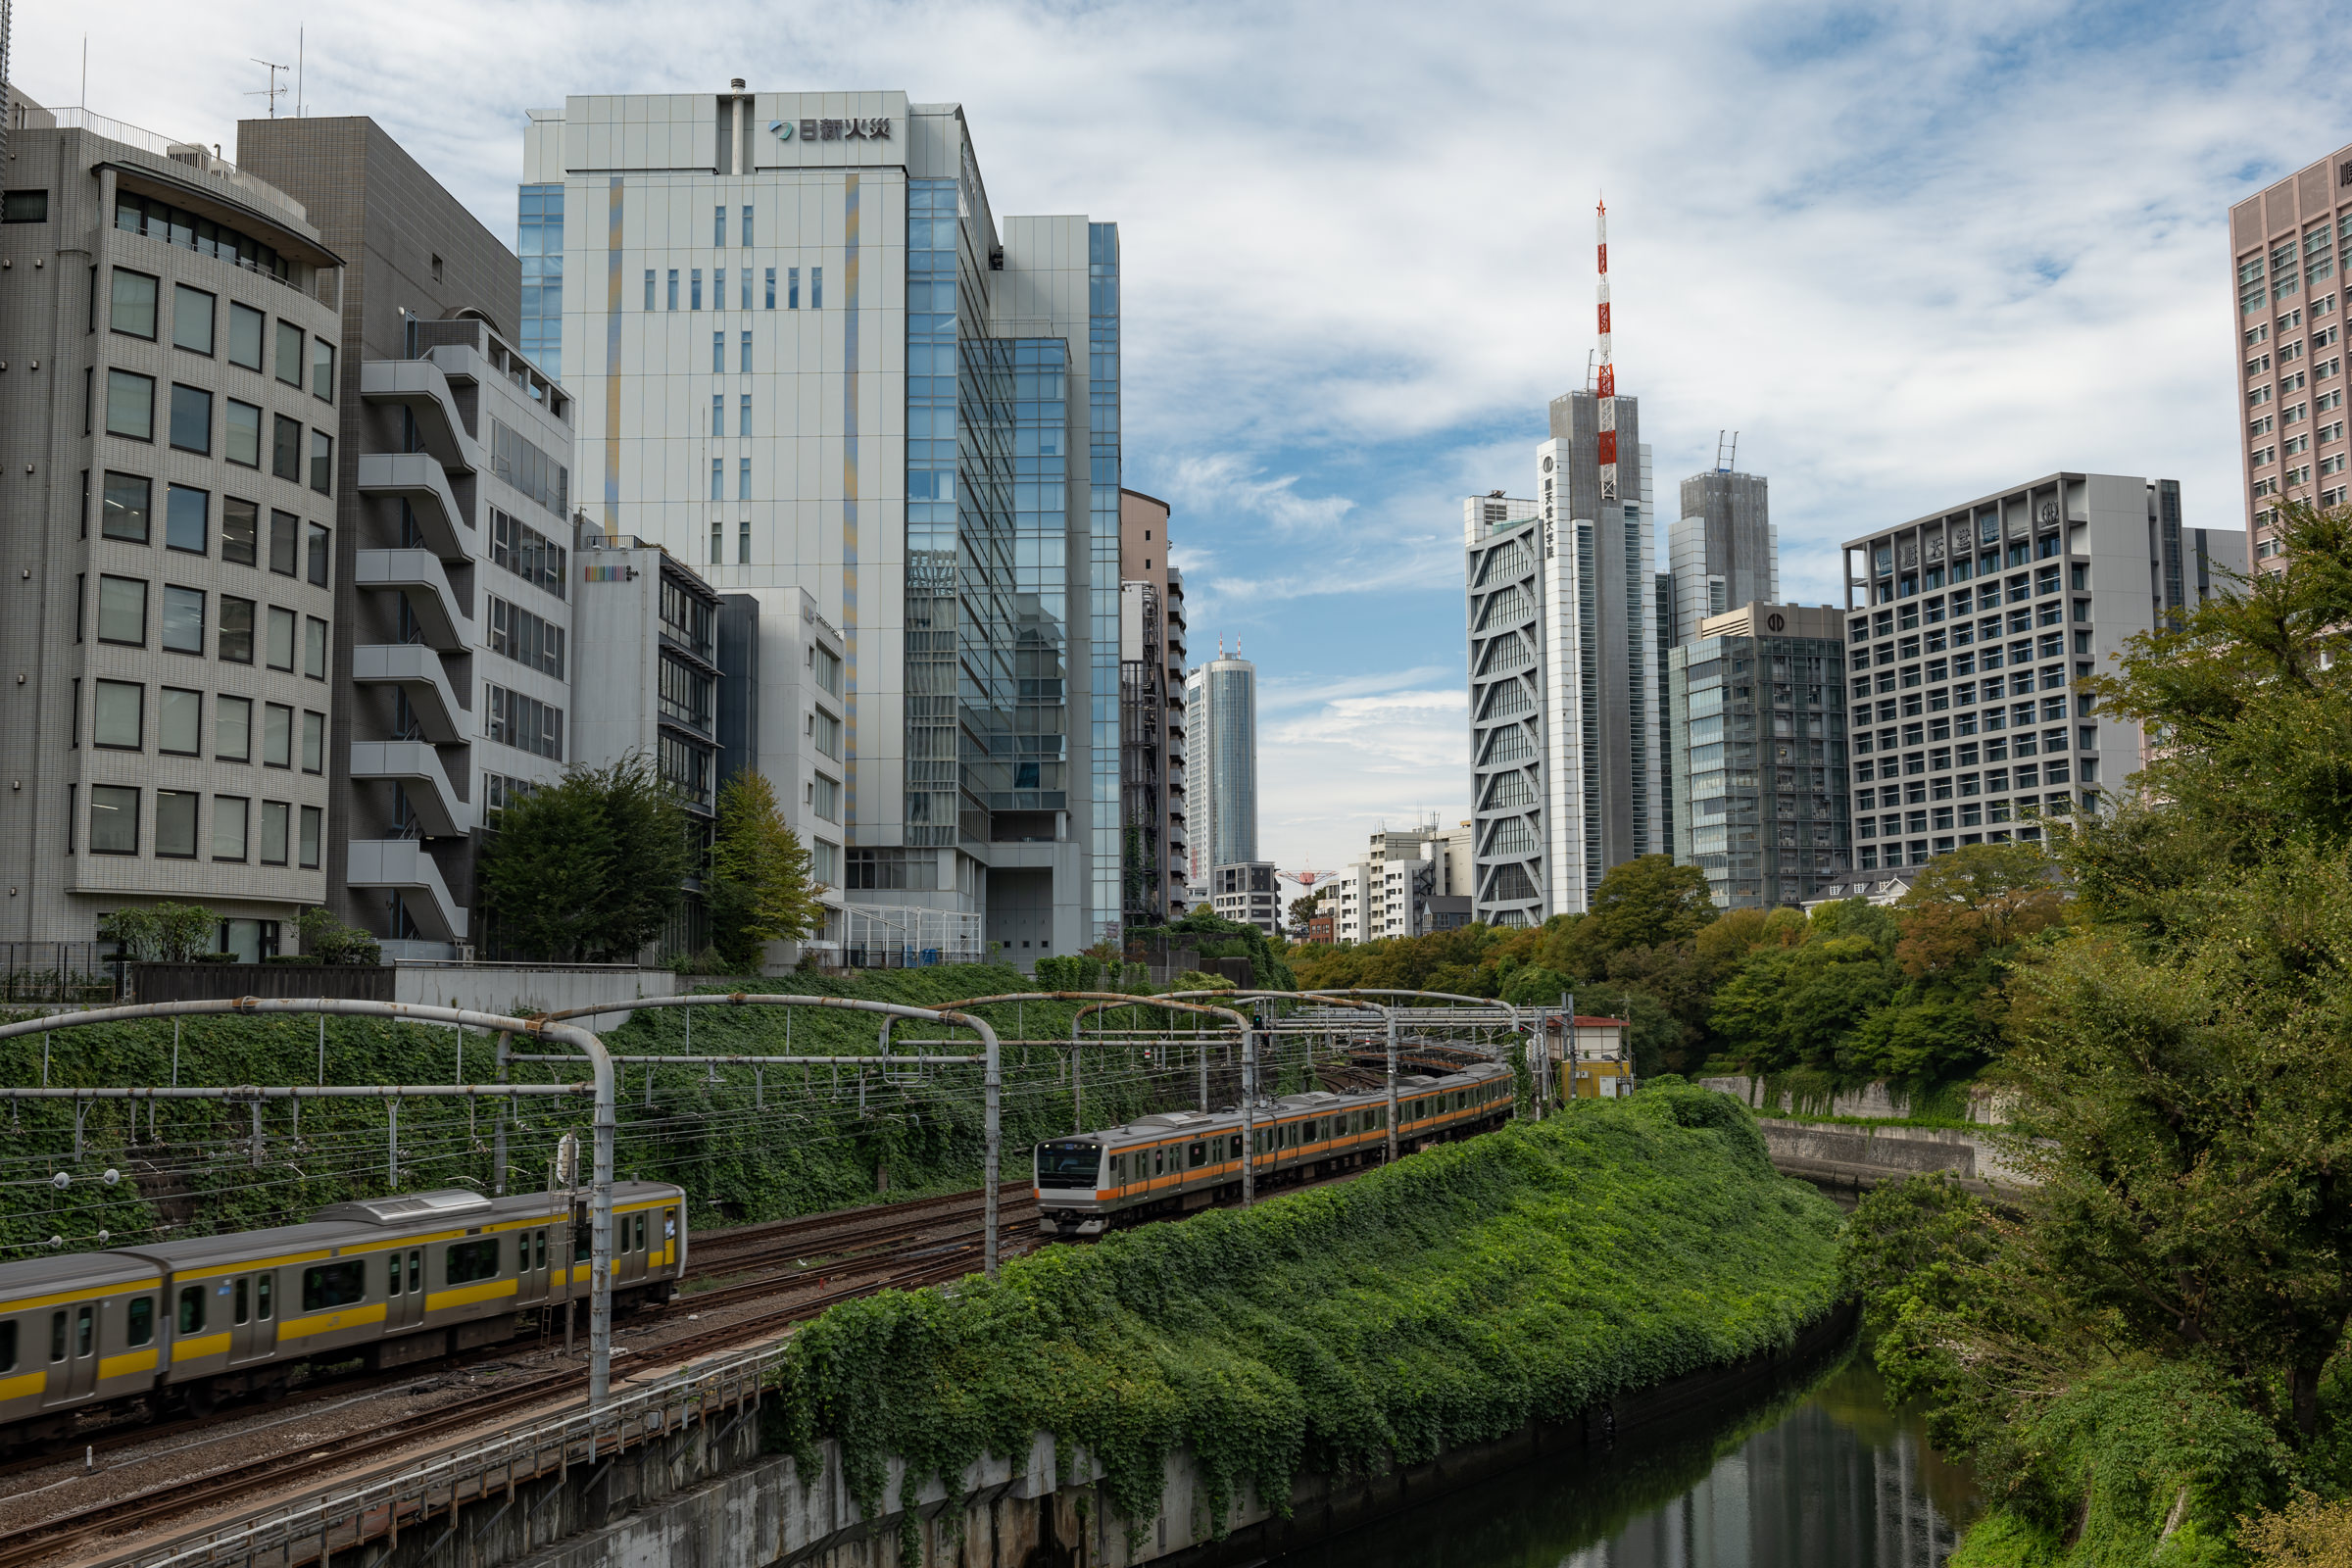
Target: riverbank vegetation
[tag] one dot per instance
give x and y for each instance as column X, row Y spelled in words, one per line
column 1445, row 1300
column 2144, row 1351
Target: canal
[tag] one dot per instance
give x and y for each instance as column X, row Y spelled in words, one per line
column 1822, row 1474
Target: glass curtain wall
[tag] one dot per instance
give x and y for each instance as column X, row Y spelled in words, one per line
column 539, row 241
column 1103, row 367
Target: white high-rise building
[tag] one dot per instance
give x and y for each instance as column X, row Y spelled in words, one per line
column 1566, row 730
column 810, row 357
column 1220, row 711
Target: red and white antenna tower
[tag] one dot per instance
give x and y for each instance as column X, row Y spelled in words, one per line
column 1605, row 448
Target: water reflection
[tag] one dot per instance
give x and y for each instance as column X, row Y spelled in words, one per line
column 1825, row 1476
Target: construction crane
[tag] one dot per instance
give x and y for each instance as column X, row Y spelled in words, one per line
column 1605, row 444
column 1306, row 878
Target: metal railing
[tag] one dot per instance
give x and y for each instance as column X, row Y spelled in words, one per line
column 59, row 972
column 384, row 1506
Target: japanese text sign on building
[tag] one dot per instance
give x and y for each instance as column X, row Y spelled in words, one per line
column 833, row 130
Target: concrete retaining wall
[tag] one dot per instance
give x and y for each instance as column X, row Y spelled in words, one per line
column 1861, row 1155
column 519, row 990
column 707, row 1499
column 1878, row 1101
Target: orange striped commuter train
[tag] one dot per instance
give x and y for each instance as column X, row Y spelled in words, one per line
column 384, row 1280
column 1179, row 1160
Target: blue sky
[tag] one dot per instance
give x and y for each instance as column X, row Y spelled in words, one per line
column 1911, row 253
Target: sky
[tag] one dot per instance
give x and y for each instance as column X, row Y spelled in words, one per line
column 1910, row 253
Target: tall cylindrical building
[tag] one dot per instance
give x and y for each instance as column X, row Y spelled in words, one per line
column 1220, row 701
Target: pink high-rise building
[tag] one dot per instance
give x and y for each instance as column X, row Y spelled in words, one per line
column 2284, row 247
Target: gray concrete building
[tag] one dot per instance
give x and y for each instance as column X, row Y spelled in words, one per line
column 1151, row 728
column 454, row 608
column 1567, row 716
column 1967, row 630
column 1723, row 551
column 1758, row 721
column 170, row 387
column 1248, row 893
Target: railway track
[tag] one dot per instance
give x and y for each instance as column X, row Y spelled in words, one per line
column 43, row 1542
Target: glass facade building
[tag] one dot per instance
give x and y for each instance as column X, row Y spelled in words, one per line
column 1759, row 784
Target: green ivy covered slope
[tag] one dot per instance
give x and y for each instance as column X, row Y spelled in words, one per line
column 1445, row 1300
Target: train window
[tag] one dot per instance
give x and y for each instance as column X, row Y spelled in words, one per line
column 669, row 1227
column 191, row 1309
column 57, row 1336
column 8, row 1346
column 582, row 1244
column 1199, row 1156
column 1159, row 1162
column 1236, row 1151
column 416, row 1271
column 244, row 1305
column 139, row 1325
column 539, row 1238
column 640, row 1243
column 261, row 1294
column 392, row 1277
column 467, row 1262
column 85, row 1319
column 333, row 1285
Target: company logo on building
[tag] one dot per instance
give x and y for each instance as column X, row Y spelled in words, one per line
column 1776, row 622
column 832, row 129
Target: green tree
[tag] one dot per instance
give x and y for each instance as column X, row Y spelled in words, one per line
column 331, row 940
column 759, row 889
column 1647, row 901
column 590, row 868
column 161, row 933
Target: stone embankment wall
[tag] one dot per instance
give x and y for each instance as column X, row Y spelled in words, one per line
column 1878, row 1102
column 708, row 1498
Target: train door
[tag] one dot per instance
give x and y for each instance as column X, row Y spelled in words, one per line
column 404, row 1289
column 669, row 1240
column 252, row 1317
column 73, row 1342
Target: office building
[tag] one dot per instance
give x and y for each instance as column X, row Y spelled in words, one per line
column 2286, row 244
column 1723, row 550
column 454, row 620
column 1247, row 893
column 1758, row 704
column 1152, row 731
column 1966, row 632
column 1566, row 707
column 1220, row 716
column 170, row 333
column 811, row 358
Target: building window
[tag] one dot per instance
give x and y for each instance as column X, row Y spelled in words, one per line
column 123, row 507
column 746, row 240
column 289, row 353
column 118, row 715
column 123, row 610
column 130, row 405
column 191, row 420
column 673, row 288
column 283, row 625
column 313, row 822
column 747, row 288
column 25, row 206
column 244, row 432
column 824, row 798
column 114, row 819
column 229, row 818
column 771, row 288
column 649, row 288
column 719, row 414
column 719, row 354
column 186, row 518
column 314, row 649
column 191, row 319
column 285, row 448
column 236, row 631
column 322, row 462
column 240, row 529
column 273, row 832
column 525, row 723
column 285, row 543
column 743, row 542
column 131, row 310
column 717, row 542
column 232, row 729
column 179, row 722
column 175, row 824
column 719, row 225
column 718, row 480
column 323, row 369
column 743, row 479
column 816, row 288
column 694, row 290
column 743, row 358
column 321, row 549
column 742, row 417
column 277, row 735
column 314, row 741
column 792, row 279
column 183, row 620
column 718, row 289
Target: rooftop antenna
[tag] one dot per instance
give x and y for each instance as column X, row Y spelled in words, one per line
column 273, row 91
column 301, row 43
column 1606, row 442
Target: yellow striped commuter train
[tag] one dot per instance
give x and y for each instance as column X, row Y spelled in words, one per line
column 386, row 1281
column 1179, row 1160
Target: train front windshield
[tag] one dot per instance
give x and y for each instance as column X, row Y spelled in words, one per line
column 1068, row 1164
